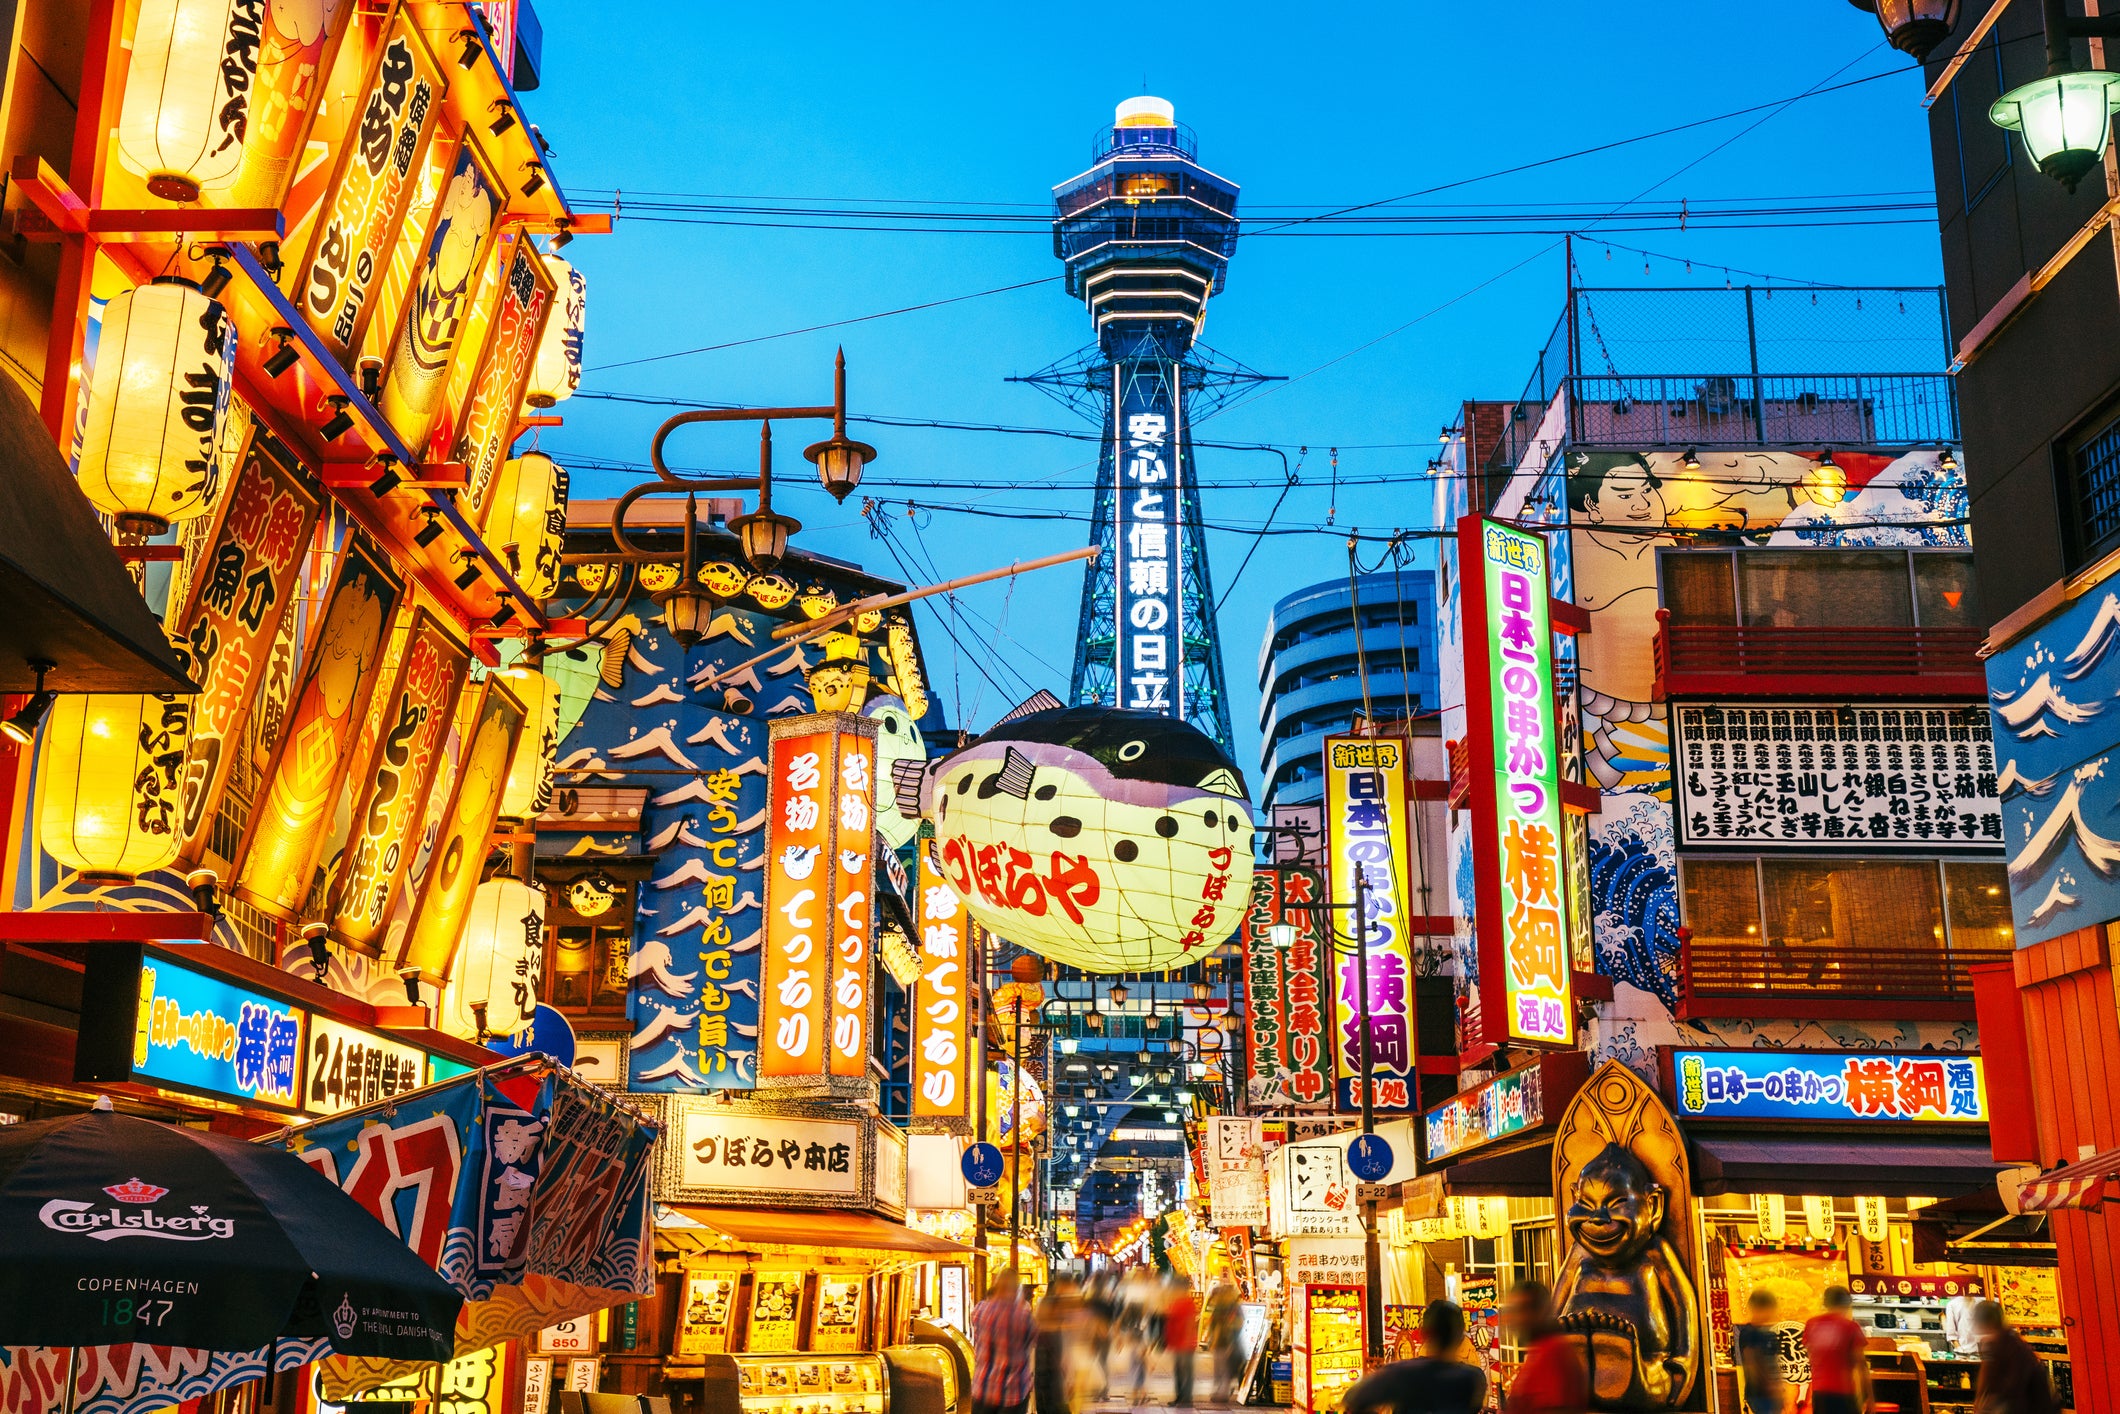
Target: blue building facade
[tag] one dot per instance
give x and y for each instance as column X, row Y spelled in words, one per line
column 1310, row 680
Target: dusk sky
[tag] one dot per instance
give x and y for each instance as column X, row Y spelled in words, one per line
column 1311, row 110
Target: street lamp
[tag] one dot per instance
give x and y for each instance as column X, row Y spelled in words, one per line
column 1118, row 994
column 1913, row 26
column 840, row 460
column 1281, row 935
column 2065, row 118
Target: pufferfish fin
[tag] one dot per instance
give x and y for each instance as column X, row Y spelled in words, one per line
column 1016, row 772
column 1222, row 781
column 905, row 777
column 613, row 669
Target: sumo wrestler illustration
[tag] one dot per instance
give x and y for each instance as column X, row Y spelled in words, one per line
column 1622, row 1289
column 1115, row 840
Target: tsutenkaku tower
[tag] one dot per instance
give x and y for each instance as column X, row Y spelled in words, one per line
column 1146, row 234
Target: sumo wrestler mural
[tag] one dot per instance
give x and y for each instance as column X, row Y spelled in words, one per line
column 1623, row 1289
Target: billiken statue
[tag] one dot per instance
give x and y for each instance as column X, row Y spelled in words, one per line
column 1622, row 1290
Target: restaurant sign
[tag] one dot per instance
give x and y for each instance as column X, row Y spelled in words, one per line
column 1516, row 1102
column 721, row 1151
column 1863, row 1086
column 1366, row 824
column 1287, row 991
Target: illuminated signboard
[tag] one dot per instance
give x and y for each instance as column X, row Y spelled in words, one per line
column 1828, row 1085
column 1366, row 824
column 197, row 1032
column 1514, row 1103
column 1521, row 911
column 941, row 999
column 1288, row 992
column 347, row 1067
column 1148, row 667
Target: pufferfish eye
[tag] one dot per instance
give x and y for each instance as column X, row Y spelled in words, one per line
column 1133, row 750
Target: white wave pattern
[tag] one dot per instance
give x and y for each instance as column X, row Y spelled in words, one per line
column 697, row 916
column 716, row 732
column 667, row 1022
column 2058, row 901
column 677, row 831
column 662, row 693
column 685, row 794
column 692, row 871
column 2013, row 779
column 2097, row 640
column 653, row 743
column 2062, row 824
column 677, row 1066
column 2028, row 713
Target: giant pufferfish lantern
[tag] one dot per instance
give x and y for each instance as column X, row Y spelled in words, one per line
column 1114, row 840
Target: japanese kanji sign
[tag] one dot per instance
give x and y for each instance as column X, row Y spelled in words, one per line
column 1780, row 775
column 489, row 420
column 820, row 897
column 1520, row 913
column 1147, row 608
column 1828, row 1085
column 1366, row 824
column 721, row 1148
column 942, row 1003
column 1288, row 992
column 200, row 1033
column 1235, row 1158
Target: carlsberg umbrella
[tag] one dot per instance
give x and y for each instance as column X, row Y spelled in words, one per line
column 121, row 1230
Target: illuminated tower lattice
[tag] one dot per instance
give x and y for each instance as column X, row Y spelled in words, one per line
column 1146, row 234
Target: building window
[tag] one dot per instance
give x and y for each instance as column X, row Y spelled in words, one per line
column 1823, row 588
column 2090, row 492
column 1795, row 906
column 587, row 968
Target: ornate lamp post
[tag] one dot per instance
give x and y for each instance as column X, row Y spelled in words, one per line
column 2065, row 118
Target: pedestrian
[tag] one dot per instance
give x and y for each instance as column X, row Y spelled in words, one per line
column 1225, row 1324
column 1049, row 1365
column 1181, row 1337
column 1756, row 1348
column 1099, row 1322
column 1434, row 1382
column 1001, row 1348
column 1552, row 1379
column 1840, row 1368
column 2013, row 1379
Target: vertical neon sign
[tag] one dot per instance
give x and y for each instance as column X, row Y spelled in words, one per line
column 1148, row 644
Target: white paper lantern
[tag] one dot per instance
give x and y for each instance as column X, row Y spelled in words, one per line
column 107, row 782
column 1818, row 1219
column 528, row 520
column 156, row 403
column 1871, row 1218
column 1771, row 1211
column 558, row 369
column 528, row 790
column 187, row 94
column 500, row 966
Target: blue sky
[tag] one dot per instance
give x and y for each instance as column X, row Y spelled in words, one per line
column 1330, row 105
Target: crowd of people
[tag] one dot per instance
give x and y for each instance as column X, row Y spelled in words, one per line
column 1083, row 1345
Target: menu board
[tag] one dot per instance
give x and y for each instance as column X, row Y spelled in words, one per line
column 838, row 1323
column 776, row 1310
column 703, row 1316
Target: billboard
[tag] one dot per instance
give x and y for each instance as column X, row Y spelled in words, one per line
column 1148, row 611
column 1811, row 1086
column 1288, row 992
column 942, row 1021
column 1366, row 824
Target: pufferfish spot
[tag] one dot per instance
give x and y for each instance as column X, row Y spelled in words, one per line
column 1066, row 826
column 1166, row 826
column 1046, row 792
column 990, row 787
column 1125, row 851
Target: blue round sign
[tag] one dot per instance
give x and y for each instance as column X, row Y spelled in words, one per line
column 982, row 1165
column 1369, row 1157
column 549, row 1033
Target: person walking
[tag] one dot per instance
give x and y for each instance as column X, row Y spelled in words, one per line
column 1552, row 1379
column 1434, row 1382
column 1181, row 1337
column 1840, row 1369
column 1049, row 1362
column 1756, row 1348
column 1001, row 1348
column 1225, row 1323
column 2013, row 1379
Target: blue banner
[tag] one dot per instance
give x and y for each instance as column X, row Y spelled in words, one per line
column 201, row 1033
column 1828, row 1085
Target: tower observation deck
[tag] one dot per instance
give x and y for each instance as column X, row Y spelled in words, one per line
column 1146, row 234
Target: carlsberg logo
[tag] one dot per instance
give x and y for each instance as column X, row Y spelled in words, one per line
column 103, row 1224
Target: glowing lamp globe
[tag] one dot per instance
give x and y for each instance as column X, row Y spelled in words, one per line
column 187, row 95
column 2064, row 119
column 157, row 398
column 1111, row 840
column 839, row 463
column 107, row 780
column 528, row 519
column 557, row 370
column 500, row 964
column 527, row 792
column 764, row 536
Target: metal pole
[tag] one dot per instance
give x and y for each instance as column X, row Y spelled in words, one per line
column 1372, row 1262
column 979, row 1109
column 1759, row 402
column 1015, row 1129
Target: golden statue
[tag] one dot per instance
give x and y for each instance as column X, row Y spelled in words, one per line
column 1624, row 1202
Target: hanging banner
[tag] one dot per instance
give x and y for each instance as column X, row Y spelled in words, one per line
column 1864, row 1086
column 1526, row 985
column 942, row 1005
column 813, row 1010
column 1236, row 1171
column 288, row 825
column 460, row 849
column 1147, row 608
column 415, row 716
column 442, row 289
column 1366, row 824
column 372, row 188
column 1288, row 992
column 489, row 422
column 232, row 612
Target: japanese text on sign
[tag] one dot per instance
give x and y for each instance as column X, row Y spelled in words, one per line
column 1508, row 1104
column 1829, row 1086
column 1805, row 777
column 853, row 906
column 1236, row 1171
column 1287, row 992
column 1366, row 825
column 201, row 1033
column 1148, row 452
column 770, row 1154
column 941, row 998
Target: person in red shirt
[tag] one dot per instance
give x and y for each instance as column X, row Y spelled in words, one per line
column 1181, row 1337
column 1552, row 1379
column 1840, row 1370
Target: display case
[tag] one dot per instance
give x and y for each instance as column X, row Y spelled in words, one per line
column 952, row 1341
column 1328, row 1345
column 794, row 1384
column 923, row 1379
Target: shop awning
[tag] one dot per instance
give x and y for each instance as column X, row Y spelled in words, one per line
column 1515, row 1173
column 783, row 1227
column 1856, row 1166
column 2082, row 1184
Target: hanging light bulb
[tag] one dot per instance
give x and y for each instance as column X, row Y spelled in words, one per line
column 156, row 402
column 527, row 792
column 557, row 370
column 187, row 94
column 528, row 519
column 499, row 968
column 106, row 803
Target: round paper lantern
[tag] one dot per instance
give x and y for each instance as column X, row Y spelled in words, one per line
column 187, row 94
column 528, row 519
column 1113, row 840
column 500, row 964
column 1001, row 1127
column 558, row 369
column 901, row 756
column 156, row 402
column 107, row 782
column 528, row 789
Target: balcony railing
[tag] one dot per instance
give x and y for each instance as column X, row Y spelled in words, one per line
column 1755, row 660
column 1827, row 981
column 1740, row 410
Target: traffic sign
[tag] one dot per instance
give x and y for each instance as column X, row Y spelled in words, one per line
column 982, row 1165
column 1369, row 1156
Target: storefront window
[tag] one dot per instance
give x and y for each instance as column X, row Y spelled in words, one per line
column 1792, row 588
column 1700, row 588
column 1944, row 593
column 1722, row 900
column 1979, row 899
column 1798, row 907
column 587, row 968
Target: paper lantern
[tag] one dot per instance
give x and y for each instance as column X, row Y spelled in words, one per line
column 500, row 966
column 156, row 402
column 1113, row 840
column 1871, row 1218
column 1771, row 1211
column 107, row 779
column 1001, row 1127
column 528, row 790
column 528, row 518
column 558, row 369
column 187, row 94
column 901, row 757
column 1490, row 1218
column 1818, row 1222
